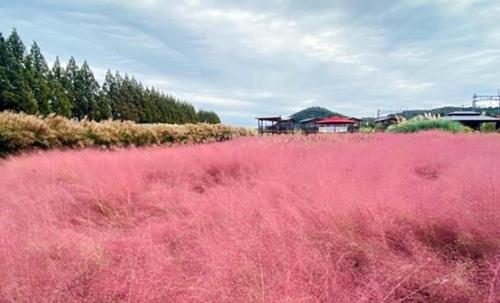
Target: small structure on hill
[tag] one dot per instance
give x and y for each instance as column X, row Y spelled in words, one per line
column 471, row 119
column 275, row 125
column 335, row 125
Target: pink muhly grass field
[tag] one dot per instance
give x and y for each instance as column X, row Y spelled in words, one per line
column 356, row 218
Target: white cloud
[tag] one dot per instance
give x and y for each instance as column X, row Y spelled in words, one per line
column 277, row 56
column 412, row 87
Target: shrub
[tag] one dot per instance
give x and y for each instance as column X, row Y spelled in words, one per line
column 489, row 127
column 412, row 126
column 367, row 129
column 380, row 128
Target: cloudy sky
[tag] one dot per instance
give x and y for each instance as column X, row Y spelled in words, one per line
column 249, row 58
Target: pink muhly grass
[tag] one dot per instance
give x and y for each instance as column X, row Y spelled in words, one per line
column 357, row 218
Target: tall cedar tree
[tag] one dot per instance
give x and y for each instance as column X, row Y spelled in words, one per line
column 103, row 107
column 109, row 93
column 18, row 95
column 86, row 93
column 69, row 83
column 4, row 81
column 60, row 100
column 37, row 72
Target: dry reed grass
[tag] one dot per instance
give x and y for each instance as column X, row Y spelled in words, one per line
column 21, row 132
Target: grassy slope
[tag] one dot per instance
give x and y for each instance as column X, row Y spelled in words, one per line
column 361, row 218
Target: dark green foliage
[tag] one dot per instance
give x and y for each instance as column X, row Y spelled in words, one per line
column 489, row 127
column 4, row 81
column 28, row 85
column 17, row 94
column 314, row 112
column 103, row 111
column 68, row 82
column 128, row 99
column 60, row 101
column 37, row 72
column 110, row 92
column 208, row 117
column 86, row 92
column 16, row 46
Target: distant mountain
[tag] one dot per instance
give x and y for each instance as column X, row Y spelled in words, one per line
column 314, row 112
column 443, row 111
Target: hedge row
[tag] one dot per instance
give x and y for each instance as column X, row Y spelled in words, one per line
column 21, row 132
column 416, row 125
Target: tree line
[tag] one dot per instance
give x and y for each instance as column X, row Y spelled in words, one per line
column 27, row 84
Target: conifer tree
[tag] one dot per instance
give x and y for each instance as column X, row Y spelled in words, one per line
column 4, row 81
column 38, row 59
column 103, row 108
column 87, row 92
column 37, row 72
column 18, row 96
column 59, row 99
column 208, row 117
column 16, row 46
column 57, row 70
column 68, row 82
column 126, row 106
column 109, row 96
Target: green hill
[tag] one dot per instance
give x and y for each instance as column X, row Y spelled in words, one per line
column 314, row 112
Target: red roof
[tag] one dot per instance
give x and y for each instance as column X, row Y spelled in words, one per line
column 335, row 120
